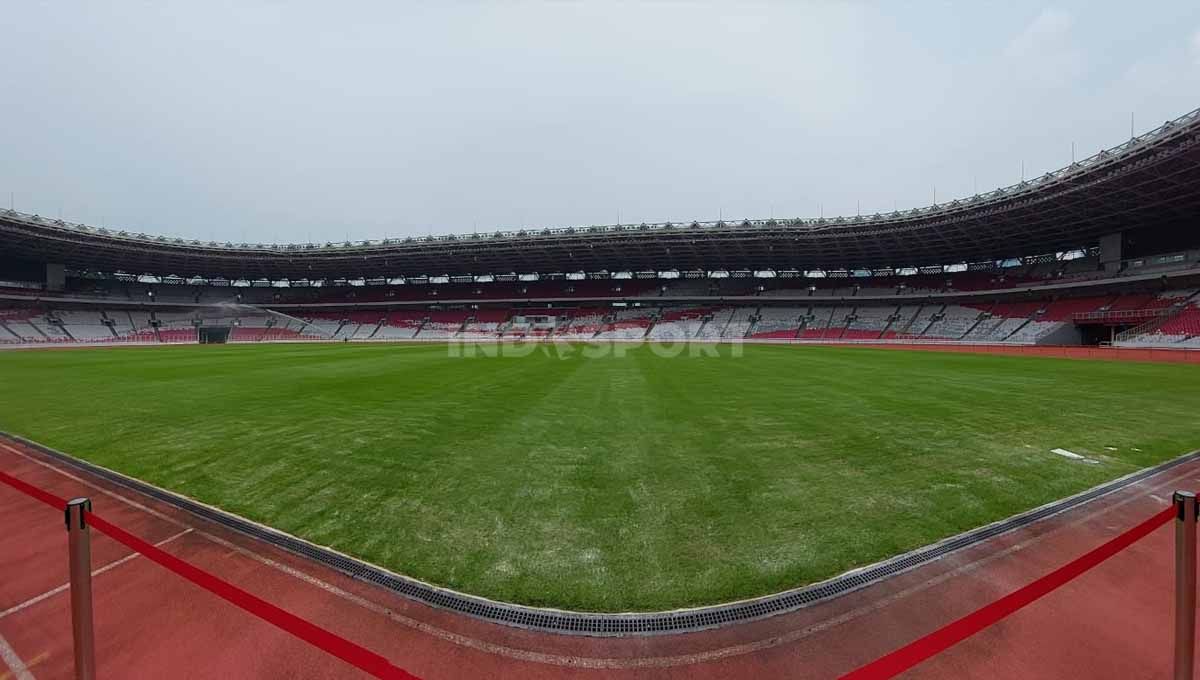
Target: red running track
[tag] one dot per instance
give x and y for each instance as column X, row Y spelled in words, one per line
column 355, row 655
column 1112, row 622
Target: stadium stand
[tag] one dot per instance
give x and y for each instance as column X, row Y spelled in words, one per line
column 715, row 324
column 1178, row 326
column 868, row 322
column 778, row 323
column 741, row 319
column 1024, row 304
column 679, row 324
column 484, row 323
column 326, row 325
column 583, row 324
column 443, row 323
column 1163, row 319
column 627, row 324
column 950, row 322
column 86, row 326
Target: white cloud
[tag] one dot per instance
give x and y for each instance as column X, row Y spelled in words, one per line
column 1046, row 54
column 1196, row 47
column 1045, row 34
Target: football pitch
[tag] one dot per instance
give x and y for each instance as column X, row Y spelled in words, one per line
column 628, row 481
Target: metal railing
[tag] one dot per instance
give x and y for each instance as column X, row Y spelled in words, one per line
column 1121, row 314
column 1151, row 325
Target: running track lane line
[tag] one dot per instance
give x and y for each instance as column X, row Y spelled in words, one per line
column 891, row 665
column 356, row 655
column 108, row 567
column 19, row 670
column 606, row 663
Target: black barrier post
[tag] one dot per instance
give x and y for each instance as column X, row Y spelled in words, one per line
column 1185, row 584
column 79, row 550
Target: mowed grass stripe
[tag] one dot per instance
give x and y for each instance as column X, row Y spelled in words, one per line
column 632, row 482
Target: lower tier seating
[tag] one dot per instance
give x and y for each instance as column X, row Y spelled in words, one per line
column 1174, row 322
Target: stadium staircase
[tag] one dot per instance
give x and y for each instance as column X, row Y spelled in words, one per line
column 604, row 323
column 421, row 327
column 34, row 326
column 892, row 318
column 933, row 319
column 804, row 322
column 108, row 323
column 63, row 327
column 979, row 319
column 848, row 322
column 908, row 325
column 1019, row 328
column 750, row 328
column 754, row 319
column 1174, row 312
column 11, row 332
column 1146, row 328
column 654, row 319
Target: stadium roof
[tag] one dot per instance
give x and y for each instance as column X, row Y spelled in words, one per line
column 1151, row 181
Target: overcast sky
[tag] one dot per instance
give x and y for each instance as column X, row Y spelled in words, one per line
column 288, row 121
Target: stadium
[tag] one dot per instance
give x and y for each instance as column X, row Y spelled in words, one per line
column 581, row 341
column 614, row 447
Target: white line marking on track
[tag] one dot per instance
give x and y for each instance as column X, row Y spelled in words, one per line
column 106, row 492
column 108, row 567
column 615, row 663
column 14, row 663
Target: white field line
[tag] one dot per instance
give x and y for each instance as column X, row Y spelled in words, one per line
column 1067, row 454
column 1074, row 456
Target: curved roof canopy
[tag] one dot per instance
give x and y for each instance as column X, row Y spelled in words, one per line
column 1151, row 181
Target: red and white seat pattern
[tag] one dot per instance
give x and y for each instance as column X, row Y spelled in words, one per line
column 1174, row 321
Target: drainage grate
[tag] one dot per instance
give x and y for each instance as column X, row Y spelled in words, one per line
column 580, row 623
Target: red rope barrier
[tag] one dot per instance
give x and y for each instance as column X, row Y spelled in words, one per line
column 31, row 490
column 886, row 666
column 942, row 639
column 353, row 654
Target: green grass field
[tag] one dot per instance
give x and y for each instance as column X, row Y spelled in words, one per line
column 617, row 483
